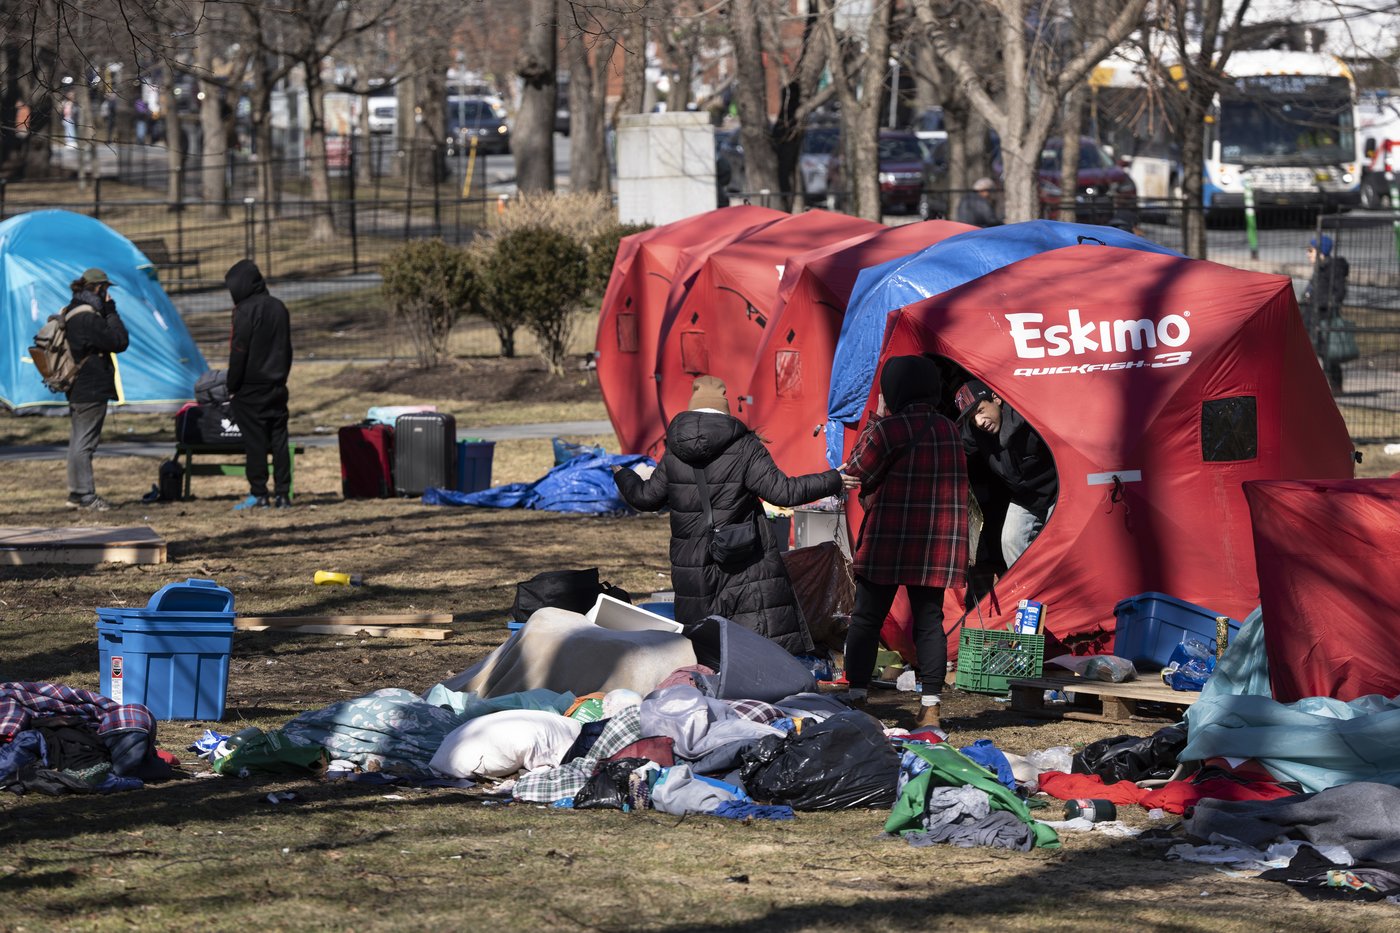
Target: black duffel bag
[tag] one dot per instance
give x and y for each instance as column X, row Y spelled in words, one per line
column 574, row 590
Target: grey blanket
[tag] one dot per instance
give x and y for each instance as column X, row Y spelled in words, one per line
column 1363, row 818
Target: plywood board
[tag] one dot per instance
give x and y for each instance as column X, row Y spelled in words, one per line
column 134, row 544
column 369, row 631
column 259, row 623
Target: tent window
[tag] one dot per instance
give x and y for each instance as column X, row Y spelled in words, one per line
column 627, row 332
column 789, row 373
column 695, row 355
column 1229, row 429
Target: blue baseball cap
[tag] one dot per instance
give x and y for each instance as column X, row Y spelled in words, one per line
column 1323, row 244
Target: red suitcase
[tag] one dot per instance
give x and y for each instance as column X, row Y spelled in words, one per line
column 366, row 461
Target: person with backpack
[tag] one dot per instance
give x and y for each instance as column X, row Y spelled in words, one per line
column 259, row 362
column 94, row 333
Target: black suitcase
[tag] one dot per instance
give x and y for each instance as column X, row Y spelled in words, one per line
column 367, row 461
column 425, row 452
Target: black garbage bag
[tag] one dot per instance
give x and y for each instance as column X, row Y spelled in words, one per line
column 1131, row 757
column 607, row 788
column 842, row 763
column 574, row 590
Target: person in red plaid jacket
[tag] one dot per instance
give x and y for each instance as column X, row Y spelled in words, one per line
column 912, row 475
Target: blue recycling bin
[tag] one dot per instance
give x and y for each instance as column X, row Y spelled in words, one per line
column 172, row 656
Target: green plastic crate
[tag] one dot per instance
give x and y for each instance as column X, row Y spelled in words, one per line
column 988, row 659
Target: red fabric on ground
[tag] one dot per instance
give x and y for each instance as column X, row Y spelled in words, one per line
column 1178, row 795
column 1088, row 786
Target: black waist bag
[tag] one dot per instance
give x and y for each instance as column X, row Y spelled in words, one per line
column 574, row 590
column 732, row 545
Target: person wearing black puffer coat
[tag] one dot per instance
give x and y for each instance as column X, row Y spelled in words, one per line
column 739, row 472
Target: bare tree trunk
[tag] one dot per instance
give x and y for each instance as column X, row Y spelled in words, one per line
column 751, row 95
column 1193, row 216
column 364, row 157
column 861, row 95
column 588, row 161
column 174, row 144
column 213, row 156
column 533, row 142
column 634, row 65
column 322, row 221
column 1071, row 125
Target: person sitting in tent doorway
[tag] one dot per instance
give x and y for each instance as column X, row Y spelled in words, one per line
column 95, row 332
column 712, row 477
column 997, row 436
column 908, row 466
column 259, row 362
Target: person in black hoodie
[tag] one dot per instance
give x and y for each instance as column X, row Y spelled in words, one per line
column 1322, row 301
column 259, row 361
column 753, row 591
column 95, row 332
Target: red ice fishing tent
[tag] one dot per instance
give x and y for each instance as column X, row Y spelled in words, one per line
column 792, row 368
column 715, row 330
column 1328, row 588
column 634, row 307
column 1161, row 385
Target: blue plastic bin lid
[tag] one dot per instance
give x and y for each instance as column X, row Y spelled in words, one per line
column 1131, row 603
column 192, row 595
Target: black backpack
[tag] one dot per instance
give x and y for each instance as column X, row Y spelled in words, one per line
column 171, row 485
column 574, row 590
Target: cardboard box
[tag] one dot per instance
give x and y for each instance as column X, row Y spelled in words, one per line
column 1030, row 616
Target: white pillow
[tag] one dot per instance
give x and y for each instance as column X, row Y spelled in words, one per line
column 500, row 744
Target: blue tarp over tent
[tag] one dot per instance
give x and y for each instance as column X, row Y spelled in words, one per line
column 40, row 254
column 932, row 271
column 582, row 484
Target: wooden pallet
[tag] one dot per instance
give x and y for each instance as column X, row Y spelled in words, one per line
column 132, row 545
column 1095, row 701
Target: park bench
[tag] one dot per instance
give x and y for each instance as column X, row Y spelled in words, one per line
column 184, row 263
column 187, row 453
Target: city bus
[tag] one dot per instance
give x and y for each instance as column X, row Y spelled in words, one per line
column 1283, row 122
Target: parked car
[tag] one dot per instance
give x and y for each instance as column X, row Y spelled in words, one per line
column 907, row 175
column 814, row 162
column 477, row 117
column 383, row 114
column 1104, row 187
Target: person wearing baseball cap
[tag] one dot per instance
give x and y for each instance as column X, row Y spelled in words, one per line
column 996, row 436
column 95, row 333
column 1322, row 302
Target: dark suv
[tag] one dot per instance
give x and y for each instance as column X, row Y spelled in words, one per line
column 479, row 118
column 1104, row 187
column 906, row 175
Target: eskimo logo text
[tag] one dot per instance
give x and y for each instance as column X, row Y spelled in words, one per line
column 1078, row 336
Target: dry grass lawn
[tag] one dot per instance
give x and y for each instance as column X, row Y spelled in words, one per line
column 213, row 853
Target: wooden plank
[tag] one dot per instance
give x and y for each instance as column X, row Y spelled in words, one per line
column 407, row 618
column 136, row 544
column 1094, row 701
column 369, row 631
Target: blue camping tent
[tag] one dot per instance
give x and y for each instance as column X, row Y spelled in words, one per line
column 932, row 271
column 40, row 254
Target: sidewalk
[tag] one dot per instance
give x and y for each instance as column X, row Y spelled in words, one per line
column 162, row 450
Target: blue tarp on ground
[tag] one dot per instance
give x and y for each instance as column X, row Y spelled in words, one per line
column 41, row 252
column 1317, row 741
column 932, row 271
column 583, row 484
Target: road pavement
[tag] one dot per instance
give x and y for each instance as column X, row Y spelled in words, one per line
column 328, row 438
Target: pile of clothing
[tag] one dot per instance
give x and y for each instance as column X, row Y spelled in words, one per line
column 59, row 740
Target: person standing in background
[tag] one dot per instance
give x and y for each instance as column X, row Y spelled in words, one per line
column 259, row 362
column 909, row 469
column 95, row 332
